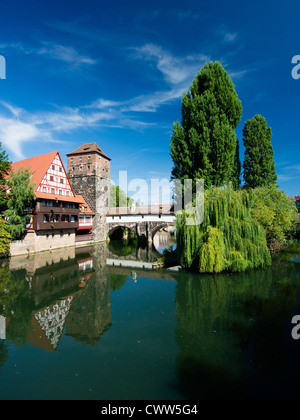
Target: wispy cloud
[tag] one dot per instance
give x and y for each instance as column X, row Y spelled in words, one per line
column 226, row 34
column 18, row 126
column 13, row 133
column 64, row 53
column 289, row 173
column 52, row 51
column 175, row 74
column 174, row 69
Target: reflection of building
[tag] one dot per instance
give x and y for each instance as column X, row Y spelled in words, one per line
column 55, row 211
column 68, row 293
column 49, row 322
column 163, row 239
column 54, row 289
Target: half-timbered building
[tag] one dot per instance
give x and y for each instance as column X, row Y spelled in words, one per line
column 56, row 210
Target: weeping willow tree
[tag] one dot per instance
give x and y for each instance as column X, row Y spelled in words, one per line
column 228, row 239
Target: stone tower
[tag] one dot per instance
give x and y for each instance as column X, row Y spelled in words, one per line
column 88, row 169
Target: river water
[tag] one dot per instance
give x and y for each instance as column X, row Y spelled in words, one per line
column 91, row 323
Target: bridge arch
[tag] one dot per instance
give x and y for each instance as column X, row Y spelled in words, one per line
column 113, row 231
column 156, row 228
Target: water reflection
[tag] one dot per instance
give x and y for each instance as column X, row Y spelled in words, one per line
column 163, row 239
column 233, row 334
column 44, row 293
column 205, row 337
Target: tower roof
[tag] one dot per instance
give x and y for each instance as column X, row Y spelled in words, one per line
column 88, row 148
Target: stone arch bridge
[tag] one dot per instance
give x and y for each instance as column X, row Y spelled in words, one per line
column 145, row 221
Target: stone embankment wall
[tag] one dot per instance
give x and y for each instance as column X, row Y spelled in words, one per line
column 42, row 241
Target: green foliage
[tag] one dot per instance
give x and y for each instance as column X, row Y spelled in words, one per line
column 204, row 145
column 259, row 166
column 236, row 173
column 118, row 198
column 277, row 213
column 20, row 198
column 5, row 237
column 212, row 253
column 229, row 239
column 5, row 166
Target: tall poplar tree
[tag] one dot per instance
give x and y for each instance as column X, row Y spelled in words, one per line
column 259, row 166
column 204, row 145
column 5, row 166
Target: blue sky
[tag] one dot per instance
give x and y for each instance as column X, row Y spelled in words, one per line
column 114, row 72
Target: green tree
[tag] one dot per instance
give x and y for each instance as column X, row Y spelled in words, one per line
column 277, row 213
column 5, row 237
column 118, row 198
column 19, row 202
column 259, row 166
column 204, row 145
column 5, row 166
column 236, row 174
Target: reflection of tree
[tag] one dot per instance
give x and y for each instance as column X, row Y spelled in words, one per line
column 123, row 248
column 117, row 281
column 3, row 353
column 218, row 315
column 15, row 303
column 131, row 251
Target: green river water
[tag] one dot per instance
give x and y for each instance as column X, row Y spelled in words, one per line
column 90, row 323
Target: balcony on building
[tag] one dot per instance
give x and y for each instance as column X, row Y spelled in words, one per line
column 54, row 214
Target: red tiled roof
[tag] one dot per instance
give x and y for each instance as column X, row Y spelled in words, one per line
column 84, row 209
column 45, row 196
column 88, row 148
column 38, row 165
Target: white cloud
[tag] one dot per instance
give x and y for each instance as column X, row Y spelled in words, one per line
column 21, row 126
column 66, row 54
column 174, row 69
column 226, row 34
column 63, row 53
column 289, row 173
column 150, row 103
column 14, row 133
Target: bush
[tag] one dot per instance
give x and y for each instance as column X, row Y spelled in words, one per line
column 277, row 213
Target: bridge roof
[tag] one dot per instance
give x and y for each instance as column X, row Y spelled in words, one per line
column 145, row 209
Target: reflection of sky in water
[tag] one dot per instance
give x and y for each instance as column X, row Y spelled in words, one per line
column 296, row 259
column 163, row 240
